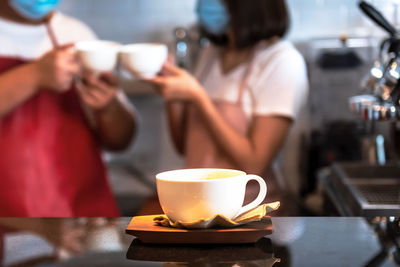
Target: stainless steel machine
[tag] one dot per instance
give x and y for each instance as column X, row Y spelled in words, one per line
column 372, row 188
column 381, row 98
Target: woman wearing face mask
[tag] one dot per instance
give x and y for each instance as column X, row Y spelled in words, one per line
column 51, row 160
column 248, row 88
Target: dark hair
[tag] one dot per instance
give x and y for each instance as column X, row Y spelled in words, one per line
column 253, row 21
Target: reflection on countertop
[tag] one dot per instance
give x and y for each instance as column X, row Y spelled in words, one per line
column 296, row 241
column 258, row 254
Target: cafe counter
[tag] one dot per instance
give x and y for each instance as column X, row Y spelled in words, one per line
column 296, row 241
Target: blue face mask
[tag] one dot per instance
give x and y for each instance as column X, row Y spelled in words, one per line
column 34, row 9
column 213, row 16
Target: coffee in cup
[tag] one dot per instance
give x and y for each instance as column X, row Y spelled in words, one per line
column 143, row 60
column 190, row 195
column 97, row 55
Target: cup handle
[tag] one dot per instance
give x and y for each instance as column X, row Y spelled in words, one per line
column 261, row 194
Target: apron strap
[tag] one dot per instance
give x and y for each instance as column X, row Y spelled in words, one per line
column 246, row 76
column 51, row 33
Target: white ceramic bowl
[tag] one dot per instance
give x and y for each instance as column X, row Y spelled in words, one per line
column 143, row 60
column 97, row 55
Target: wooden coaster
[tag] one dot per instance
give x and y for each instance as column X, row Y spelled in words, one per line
column 145, row 229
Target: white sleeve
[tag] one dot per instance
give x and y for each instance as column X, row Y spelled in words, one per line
column 69, row 29
column 282, row 86
column 84, row 33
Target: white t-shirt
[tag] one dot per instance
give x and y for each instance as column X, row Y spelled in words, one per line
column 278, row 80
column 32, row 41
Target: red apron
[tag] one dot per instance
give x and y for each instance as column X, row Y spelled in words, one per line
column 50, row 163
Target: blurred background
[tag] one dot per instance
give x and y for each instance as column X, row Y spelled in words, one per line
column 327, row 132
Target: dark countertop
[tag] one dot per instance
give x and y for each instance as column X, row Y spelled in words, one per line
column 296, row 241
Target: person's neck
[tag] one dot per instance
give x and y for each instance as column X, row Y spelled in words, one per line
column 231, row 58
column 6, row 12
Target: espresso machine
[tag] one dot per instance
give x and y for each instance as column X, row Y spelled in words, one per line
column 371, row 187
column 380, row 100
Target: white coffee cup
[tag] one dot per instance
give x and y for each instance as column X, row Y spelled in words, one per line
column 97, row 55
column 189, row 195
column 143, row 60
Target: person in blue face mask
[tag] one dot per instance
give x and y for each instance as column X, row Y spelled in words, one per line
column 236, row 110
column 52, row 128
column 213, row 16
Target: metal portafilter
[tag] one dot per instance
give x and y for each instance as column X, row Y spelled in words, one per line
column 388, row 84
column 371, row 80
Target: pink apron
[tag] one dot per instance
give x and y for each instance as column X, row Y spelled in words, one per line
column 50, row 162
column 201, row 149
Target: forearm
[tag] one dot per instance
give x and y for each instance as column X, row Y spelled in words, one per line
column 237, row 146
column 252, row 153
column 16, row 86
column 115, row 125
